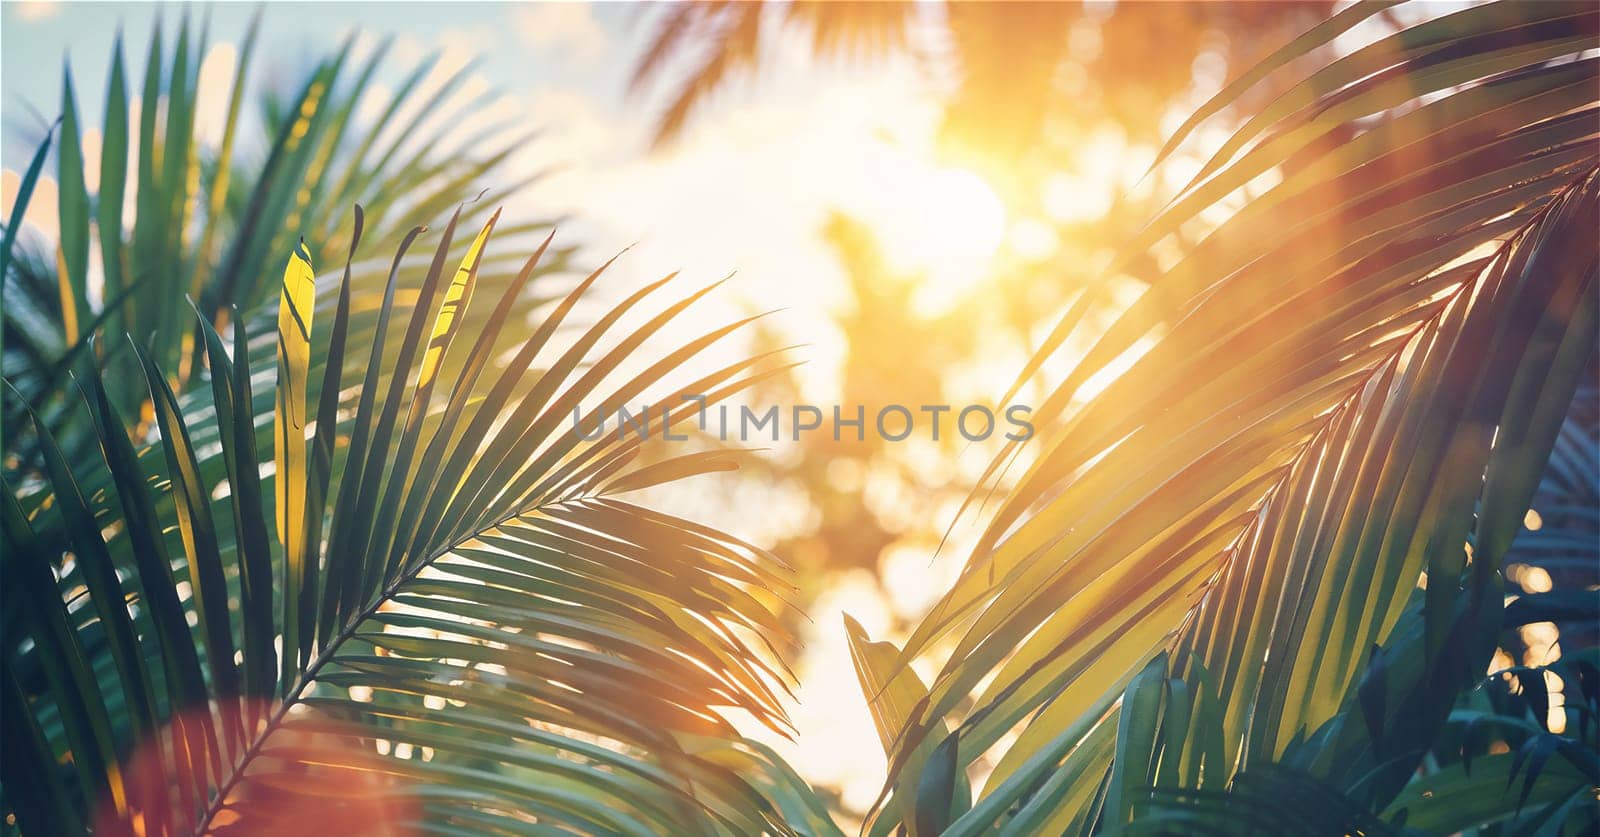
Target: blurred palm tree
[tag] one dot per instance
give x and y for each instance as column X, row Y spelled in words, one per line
column 1012, row 68
column 1025, row 87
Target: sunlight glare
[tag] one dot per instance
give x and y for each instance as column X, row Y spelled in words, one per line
column 215, row 90
column 945, row 223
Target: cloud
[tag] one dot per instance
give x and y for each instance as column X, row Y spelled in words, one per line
column 568, row 29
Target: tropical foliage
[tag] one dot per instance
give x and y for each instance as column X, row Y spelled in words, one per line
column 173, row 216
column 465, row 584
column 1001, row 63
column 251, row 559
column 1252, row 575
column 1206, row 580
column 1030, row 122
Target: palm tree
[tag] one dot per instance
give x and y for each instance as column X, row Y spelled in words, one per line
column 1258, row 580
column 1001, row 60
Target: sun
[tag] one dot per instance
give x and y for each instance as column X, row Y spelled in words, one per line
column 945, row 224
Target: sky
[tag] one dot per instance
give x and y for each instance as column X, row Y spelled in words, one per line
column 745, row 191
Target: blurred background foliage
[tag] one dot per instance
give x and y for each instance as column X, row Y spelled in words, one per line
column 1058, row 107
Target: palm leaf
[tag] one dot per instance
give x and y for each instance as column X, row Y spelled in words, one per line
column 1258, row 493
column 537, row 654
column 209, row 221
column 295, row 313
column 723, row 39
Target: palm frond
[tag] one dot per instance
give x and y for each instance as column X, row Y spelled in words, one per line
column 1349, row 385
column 476, row 635
column 208, row 222
column 722, row 40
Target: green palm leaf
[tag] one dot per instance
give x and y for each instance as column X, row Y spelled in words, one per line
column 1353, row 376
column 209, row 222
column 526, row 651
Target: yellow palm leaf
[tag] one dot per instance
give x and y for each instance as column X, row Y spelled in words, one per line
column 295, row 308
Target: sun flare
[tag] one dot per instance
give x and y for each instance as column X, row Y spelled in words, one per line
column 945, row 224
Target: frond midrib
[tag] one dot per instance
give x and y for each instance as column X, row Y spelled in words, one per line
column 327, row 654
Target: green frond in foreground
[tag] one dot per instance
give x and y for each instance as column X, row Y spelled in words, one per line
column 1276, row 541
column 470, row 630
